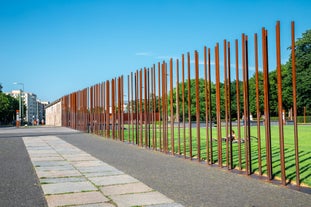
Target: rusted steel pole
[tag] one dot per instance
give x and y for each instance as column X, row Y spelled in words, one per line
column 226, row 103
column 219, row 137
column 258, row 105
column 238, row 102
column 196, row 61
column 132, row 108
column 280, row 103
column 246, row 106
column 128, row 109
column 171, row 107
column 141, row 107
column 122, row 108
column 155, row 107
column 152, row 105
column 159, row 106
column 230, row 166
column 148, row 106
column 183, row 104
column 189, row 108
column 136, row 109
column 145, row 106
column 177, row 104
column 266, row 102
column 113, row 94
column 164, row 106
column 248, row 112
column 295, row 102
column 210, row 106
column 206, row 91
column 206, row 105
column 104, row 109
column 107, row 109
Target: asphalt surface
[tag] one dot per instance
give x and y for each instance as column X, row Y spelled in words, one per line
column 188, row 183
column 19, row 185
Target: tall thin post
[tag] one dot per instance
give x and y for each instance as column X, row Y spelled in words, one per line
column 280, row 105
column 295, row 103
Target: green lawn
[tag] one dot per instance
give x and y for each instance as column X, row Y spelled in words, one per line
column 304, row 134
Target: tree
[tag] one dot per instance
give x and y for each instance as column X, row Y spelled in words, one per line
column 8, row 107
column 303, row 74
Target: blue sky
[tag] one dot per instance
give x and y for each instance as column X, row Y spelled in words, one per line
column 56, row 47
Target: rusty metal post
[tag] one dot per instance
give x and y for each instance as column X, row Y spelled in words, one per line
column 258, row 105
column 122, row 108
column 219, row 137
column 148, row 106
column 293, row 49
column 152, row 105
column 128, row 109
column 155, row 107
column 226, row 103
column 189, row 108
column 230, row 165
column 159, row 106
column 210, row 106
column 141, row 107
column 136, row 109
column 164, row 106
column 132, row 108
column 171, row 107
column 238, row 102
column 206, row 105
column 280, row 103
column 266, row 102
column 108, row 108
column 197, row 93
column 183, row 104
column 113, row 107
column 177, row 104
column 246, row 105
column 145, row 106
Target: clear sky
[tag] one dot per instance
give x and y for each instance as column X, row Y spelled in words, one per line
column 55, row 47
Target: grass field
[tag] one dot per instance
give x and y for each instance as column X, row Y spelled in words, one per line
column 304, row 134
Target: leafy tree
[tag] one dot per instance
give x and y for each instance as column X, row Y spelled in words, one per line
column 8, row 107
column 303, row 74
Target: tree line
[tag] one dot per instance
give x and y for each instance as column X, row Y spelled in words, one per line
column 8, row 107
column 303, row 82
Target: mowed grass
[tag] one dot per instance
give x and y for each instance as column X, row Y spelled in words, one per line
column 304, row 146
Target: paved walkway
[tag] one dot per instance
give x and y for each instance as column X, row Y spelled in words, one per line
column 72, row 177
column 75, row 168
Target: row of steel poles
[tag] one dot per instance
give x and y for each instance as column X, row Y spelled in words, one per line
column 150, row 110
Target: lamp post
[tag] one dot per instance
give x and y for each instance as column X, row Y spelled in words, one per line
column 20, row 100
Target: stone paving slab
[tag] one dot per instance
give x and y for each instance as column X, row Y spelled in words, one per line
column 140, row 199
column 96, row 169
column 125, row 189
column 68, row 187
column 61, row 180
column 50, row 158
column 71, row 177
column 58, row 173
column 113, row 180
column 75, row 198
column 50, row 163
column 102, row 173
column 97, row 205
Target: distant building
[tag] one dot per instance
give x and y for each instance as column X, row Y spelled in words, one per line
column 35, row 109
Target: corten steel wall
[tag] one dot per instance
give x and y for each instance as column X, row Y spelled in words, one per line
column 158, row 116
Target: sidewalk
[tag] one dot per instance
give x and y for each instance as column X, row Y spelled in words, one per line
column 72, row 177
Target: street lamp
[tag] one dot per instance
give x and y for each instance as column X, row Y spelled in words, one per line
column 20, row 100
